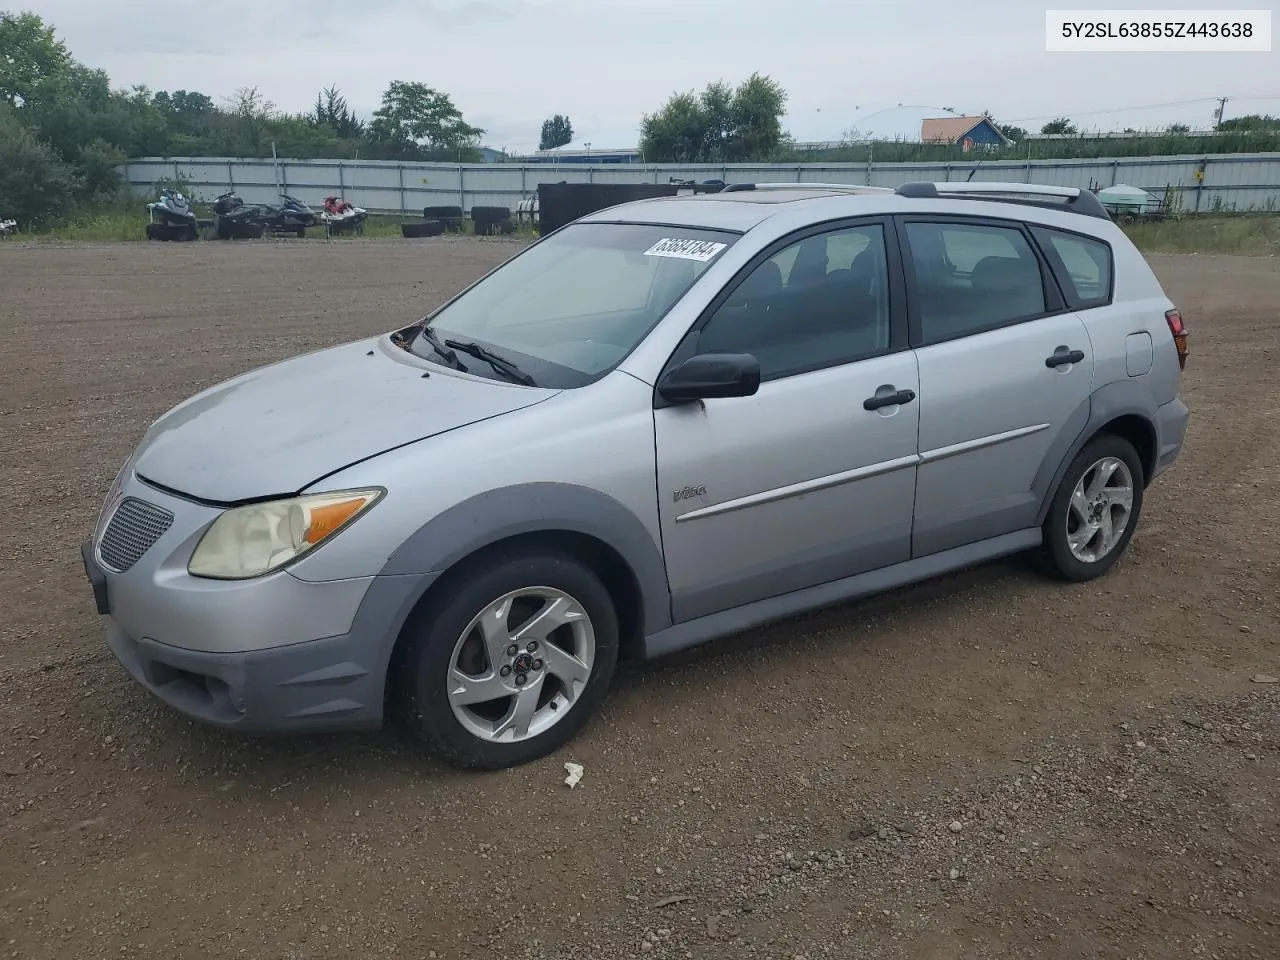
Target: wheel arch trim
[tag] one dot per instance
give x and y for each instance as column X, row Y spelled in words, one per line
column 493, row 516
column 1121, row 398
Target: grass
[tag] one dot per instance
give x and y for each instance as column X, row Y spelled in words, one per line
column 99, row 227
column 1251, row 235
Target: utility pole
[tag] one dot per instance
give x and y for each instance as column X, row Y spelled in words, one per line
column 1217, row 114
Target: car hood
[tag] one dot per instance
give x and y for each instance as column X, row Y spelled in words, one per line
column 275, row 430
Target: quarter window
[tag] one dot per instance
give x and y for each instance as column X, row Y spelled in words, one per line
column 1084, row 265
column 972, row 277
column 818, row 302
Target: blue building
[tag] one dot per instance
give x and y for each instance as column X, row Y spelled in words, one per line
column 966, row 132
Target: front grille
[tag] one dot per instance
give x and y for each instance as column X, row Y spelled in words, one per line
column 134, row 528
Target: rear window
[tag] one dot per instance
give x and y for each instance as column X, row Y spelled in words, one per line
column 1082, row 264
column 572, row 306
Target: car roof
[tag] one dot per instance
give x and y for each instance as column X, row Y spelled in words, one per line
column 741, row 211
column 738, row 211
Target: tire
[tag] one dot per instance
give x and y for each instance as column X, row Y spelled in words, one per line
column 421, row 228
column 442, row 213
column 155, row 231
column 441, row 636
column 493, row 228
column 489, row 214
column 300, row 232
column 1062, row 523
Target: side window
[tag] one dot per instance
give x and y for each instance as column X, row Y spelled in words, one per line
column 1083, row 265
column 972, row 277
column 820, row 301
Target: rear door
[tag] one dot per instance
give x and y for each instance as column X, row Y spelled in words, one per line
column 1005, row 369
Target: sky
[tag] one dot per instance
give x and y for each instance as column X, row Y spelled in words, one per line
column 874, row 67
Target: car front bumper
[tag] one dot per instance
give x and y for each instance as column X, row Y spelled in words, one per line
column 271, row 654
column 317, row 685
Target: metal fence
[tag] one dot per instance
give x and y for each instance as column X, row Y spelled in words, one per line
column 1226, row 182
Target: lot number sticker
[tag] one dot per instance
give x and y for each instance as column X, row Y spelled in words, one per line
column 700, row 250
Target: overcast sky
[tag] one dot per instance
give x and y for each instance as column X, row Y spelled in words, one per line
column 510, row 63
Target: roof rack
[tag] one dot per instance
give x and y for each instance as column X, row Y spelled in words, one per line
column 1072, row 199
column 773, row 185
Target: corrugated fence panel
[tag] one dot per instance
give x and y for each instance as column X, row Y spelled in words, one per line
column 1242, row 184
column 1158, row 175
column 620, row 174
column 1231, row 181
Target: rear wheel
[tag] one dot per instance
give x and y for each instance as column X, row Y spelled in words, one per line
column 509, row 662
column 1095, row 510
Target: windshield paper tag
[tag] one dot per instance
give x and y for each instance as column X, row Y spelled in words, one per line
column 700, row 250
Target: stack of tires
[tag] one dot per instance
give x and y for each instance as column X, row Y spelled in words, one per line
column 492, row 221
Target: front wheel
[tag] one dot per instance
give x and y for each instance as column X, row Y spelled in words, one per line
column 510, row 661
column 1095, row 510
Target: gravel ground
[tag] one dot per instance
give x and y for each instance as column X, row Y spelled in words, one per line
column 985, row 766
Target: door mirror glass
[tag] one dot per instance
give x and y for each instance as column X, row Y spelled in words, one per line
column 709, row 375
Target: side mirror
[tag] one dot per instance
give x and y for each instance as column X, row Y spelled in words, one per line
column 711, row 375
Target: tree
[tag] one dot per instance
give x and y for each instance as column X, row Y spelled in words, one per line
column 1252, row 122
column 417, row 120
column 36, row 187
column 332, row 112
column 1178, row 129
column 30, row 55
column 249, row 103
column 184, row 112
column 556, row 132
column 1010, row 131
column 720, row 125
column 1062, row 125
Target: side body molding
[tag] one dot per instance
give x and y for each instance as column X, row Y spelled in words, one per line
column 530, row 508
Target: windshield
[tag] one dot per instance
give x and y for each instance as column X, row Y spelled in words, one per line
column 572, row 306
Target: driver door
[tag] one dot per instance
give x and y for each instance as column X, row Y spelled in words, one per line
column 812, row 479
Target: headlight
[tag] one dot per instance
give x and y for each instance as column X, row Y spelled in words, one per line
column 249, row 541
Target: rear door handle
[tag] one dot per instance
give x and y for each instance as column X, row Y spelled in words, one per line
column 1062, row 356
column 888, row 399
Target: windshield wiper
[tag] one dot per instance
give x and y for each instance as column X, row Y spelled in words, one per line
column 442, row 349
column 501, row 364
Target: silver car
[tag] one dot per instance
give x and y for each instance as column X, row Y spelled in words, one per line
column 666, row 422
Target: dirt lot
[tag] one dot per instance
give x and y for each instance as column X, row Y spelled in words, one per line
column 990, row 766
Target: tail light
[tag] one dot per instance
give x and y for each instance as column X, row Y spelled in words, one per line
column 1179, row 331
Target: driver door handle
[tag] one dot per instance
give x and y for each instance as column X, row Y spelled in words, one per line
column 888, row 400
